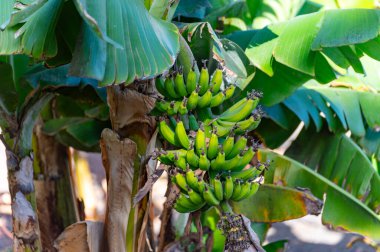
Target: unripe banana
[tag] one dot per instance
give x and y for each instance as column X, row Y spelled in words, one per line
column 191, row 81
column 192, row 158
column 193, row 123
column 195, row 197
column 245, row 190
column 254, row 188
column 217, row 79
column 160, row 86
column 229, row 91
column 241, row 112
column 232, row 163
column 245, row 159
column 185, row 120
column 169, row 87
column 218, row 163
column 172, row 122
column 237, row 190
column 173, row 108
column 204, row 163
column 167, row 133
column 180, row 181
column 192, row 180
column 228, row 145
column 167, row 157
column 180, row 162
column 205, row 100
column 212, row 150
column 180, row 84
column 200, row 141
column 205, row 114
column 182, row 109
column 210, row 197
column 181, row 135
column 192, row 102
column 204, row 79
column 228, row 188
column 218, row 188
column 220, row 130
column 238, row 147
column 162, row 105
column 217, row 99
column 201, row 185
column 244, row 174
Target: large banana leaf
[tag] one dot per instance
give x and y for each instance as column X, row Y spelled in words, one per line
column 348, row 108
column 312, row 46
column 138, row 44
column 337, row 168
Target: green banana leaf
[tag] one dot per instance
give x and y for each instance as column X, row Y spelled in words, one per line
column 343, row 176
column 271, row 204
column 309, row 46
column 133, row 45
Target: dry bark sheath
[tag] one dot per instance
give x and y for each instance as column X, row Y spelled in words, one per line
column 55, row 197
column 122, row 150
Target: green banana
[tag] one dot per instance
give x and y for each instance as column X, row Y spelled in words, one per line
column 201, row 185
column 180, row 181
column 160, row 86
column 167, row 157
column 209, row 197
column 217, row 79
column 167, row 133
column 169, row 87
column 192, row 102
column 193, row 123
column 220, row 130
column 195, row 197
column 239, row 145
column 191, row 81
column 181, row 135
column 241, row 112
column 229, row 165
column 162, row 105
column 180, row 162
column 228, row 145
column 173, row 108
column 245, row 190
column 179, row 84
column 172, row 122
column 213, row 144
column 228, row 188
column 237, row 190
column 218, row 189
column 217, row 99
column 204, row 163
column 185, row 120
column 185, row 201
column 205, row 100
column 192, row 180
column 244, row 174
column 229, row 91
column 218, row 163
column 205, row 114
column 192, row 158
column 204, row 79
column 254, row 188
column 182, row 109
column 245, row 159
column 200, row 141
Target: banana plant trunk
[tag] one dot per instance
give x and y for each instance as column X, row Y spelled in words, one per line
column 55, row 196
column 124, row 153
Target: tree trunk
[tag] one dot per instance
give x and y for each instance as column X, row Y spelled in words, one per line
column 56, row 202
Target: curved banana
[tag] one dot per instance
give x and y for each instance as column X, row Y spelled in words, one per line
column 204, row 79
column 172, row 122
column 180, row 181
column 193, row 99
column 185, row 120
column 182, row 109
column 169, row 87
column 239, row 146
column 196, row 198
column 160, row 86
column 220, row 130
column 218, row 189
column 200, row 141
column 193, row 123
column 180, row 162
column 162, row 105
column 254, row 188
column 192, row 158
column 230, row 91
column 191, row 81
column 167, row 133
column 245, row 190
column 217, row 79
column 237, row 190
column 228, row 188
column 218, row 163
column 205, row 100
column 244, row 174
column 173, row 108
column 204, row 163
column 201, row 185
column 181, row 135
column 217, row 99
column 192, row 180
column 213, row 145
column 228, row 145
column 245, row 159
column 179, row 84
column 241, row 112
column 210, row 197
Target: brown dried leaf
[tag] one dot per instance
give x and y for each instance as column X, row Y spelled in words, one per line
column 84, row 236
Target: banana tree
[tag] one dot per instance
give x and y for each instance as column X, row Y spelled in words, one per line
column 84, row 75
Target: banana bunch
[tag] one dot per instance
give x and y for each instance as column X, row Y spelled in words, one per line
column 209, row 150
column 197, row 194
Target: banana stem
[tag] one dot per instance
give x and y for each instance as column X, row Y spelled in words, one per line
column 226, row 208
